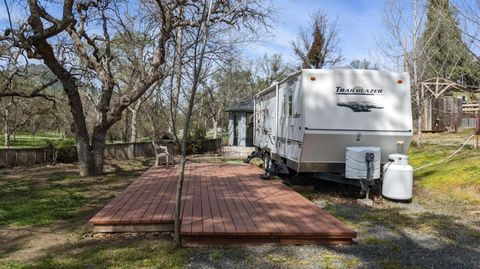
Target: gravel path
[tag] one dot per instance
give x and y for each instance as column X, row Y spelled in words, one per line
column 391, row 235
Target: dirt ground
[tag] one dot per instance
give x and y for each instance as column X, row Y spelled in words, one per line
column 450, row 138
column 434, row 231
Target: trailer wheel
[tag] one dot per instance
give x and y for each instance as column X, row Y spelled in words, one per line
column 254, row 154
column 267, row 160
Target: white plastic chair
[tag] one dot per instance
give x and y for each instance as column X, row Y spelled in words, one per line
column 161, row 152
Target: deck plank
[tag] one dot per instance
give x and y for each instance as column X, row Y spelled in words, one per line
column 197, row 225
column 218, row 226
column 264, row 201
column 238, row 201
column 222, row 204
column 260, row 218
column 130, row 199
column 249, row 184
column 117, row 203
column 186, row 183
column 207, row 220
column 137, row 210
column 163, row 203
column 149, row 213
column 228, row 199
column 188, row 210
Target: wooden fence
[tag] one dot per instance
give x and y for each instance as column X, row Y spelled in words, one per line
column 471, row 108
column 127, row 151
column 442, row 114
column 24, row 156
column 469, row 123
column 122, row 151
column 212, row 146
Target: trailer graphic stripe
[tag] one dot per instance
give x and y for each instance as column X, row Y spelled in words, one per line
column 358, row 130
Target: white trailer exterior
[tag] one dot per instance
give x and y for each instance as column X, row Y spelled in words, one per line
column 310, row 118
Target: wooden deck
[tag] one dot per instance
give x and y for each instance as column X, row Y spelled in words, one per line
column 221, row 204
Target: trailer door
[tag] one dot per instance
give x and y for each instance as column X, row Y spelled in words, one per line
column 283, row 120
column 294, row 111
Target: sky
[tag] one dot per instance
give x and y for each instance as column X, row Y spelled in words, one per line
column 359, row 22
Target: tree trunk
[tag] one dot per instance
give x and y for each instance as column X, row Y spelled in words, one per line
column 178, row 197
column 418, row 139
column 175, row 98
column 79, row 126
column 85, row 160
column 6, row 133
column 98, row 150
column 196, row 77
column 6, row 136
column 133, row 122
column 215, row 123
column 173, row 112
column 419, row 101
column 133, row 127
column 125, row 131
column 477, row 140
column 91, row 157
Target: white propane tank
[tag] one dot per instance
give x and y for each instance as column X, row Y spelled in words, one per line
column 397, row 178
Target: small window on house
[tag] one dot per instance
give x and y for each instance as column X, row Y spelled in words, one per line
column 290, row 105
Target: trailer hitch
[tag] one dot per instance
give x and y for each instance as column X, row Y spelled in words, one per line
column 369, row 158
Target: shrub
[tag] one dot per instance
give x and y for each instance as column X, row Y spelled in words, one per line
column 196, row 141
column 63, row 151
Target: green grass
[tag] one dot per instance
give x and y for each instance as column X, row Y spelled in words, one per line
column 373, row 240
column 458, row 177
column 26, row 202
column 139, row 140
column 59, row 202
column 48, row 195
column 210, row 132
column 31, row 141
column 215, row 255
column 121, row 254
column 43, row 139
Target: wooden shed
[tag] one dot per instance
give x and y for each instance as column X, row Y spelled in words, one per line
column 442, row 114
column 240, row 123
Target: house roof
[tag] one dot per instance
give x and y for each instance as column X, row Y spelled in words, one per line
column 246, row 105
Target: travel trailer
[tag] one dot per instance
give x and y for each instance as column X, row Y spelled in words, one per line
column 318, row 120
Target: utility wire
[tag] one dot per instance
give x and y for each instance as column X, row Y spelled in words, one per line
column 448, row 158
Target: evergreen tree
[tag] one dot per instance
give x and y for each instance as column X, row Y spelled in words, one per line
column 445, row 55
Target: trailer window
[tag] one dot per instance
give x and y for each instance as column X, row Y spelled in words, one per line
column 290, row 107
